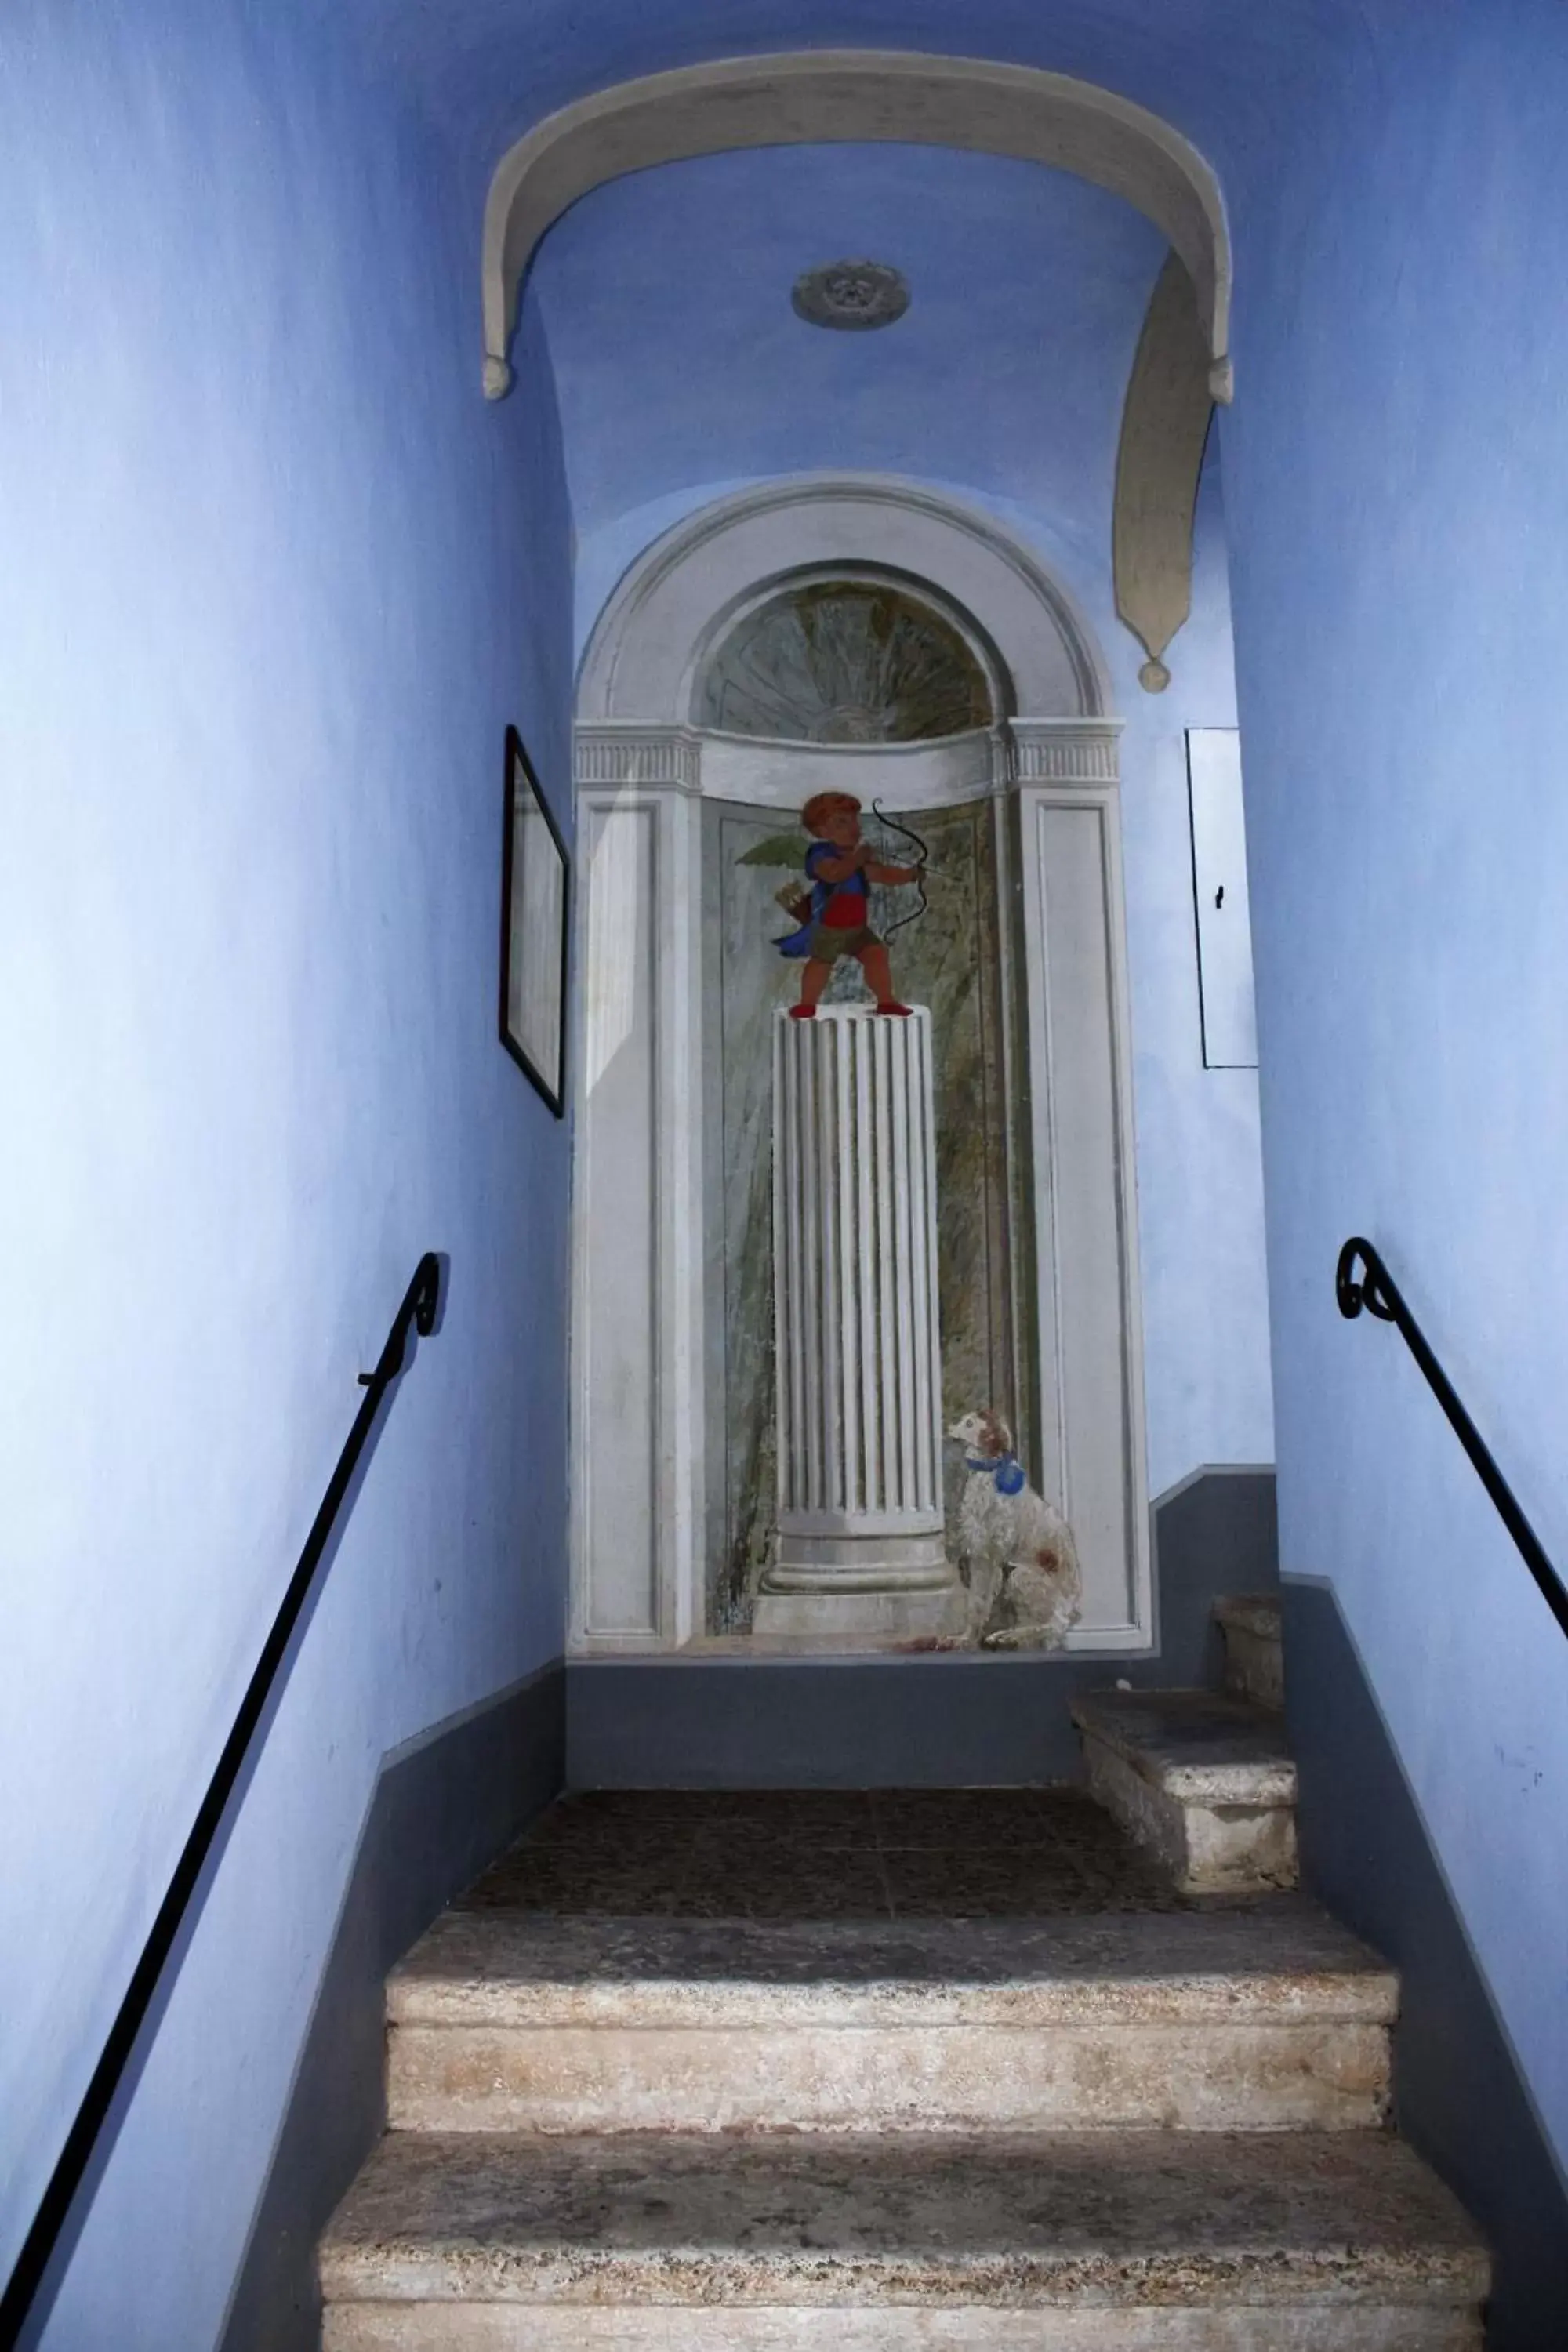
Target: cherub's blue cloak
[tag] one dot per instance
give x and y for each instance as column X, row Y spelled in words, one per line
column 798, row 944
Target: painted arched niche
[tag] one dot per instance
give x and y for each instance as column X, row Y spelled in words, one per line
column 667, row 810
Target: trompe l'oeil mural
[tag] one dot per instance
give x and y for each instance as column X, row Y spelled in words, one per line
column 853, row 1167
column 874, row 1188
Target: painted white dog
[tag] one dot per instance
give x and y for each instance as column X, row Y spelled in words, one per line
column 1025, row 1589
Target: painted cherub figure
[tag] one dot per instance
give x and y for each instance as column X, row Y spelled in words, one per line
column 834, row 913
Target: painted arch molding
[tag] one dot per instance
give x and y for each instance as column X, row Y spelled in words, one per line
column 827, row 95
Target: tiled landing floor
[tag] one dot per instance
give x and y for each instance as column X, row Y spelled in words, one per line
column 903, row 1855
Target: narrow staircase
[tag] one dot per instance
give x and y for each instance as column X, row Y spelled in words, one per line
column 1047, row 2070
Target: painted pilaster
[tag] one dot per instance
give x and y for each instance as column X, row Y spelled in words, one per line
column 1078, row 1060
column 636, row 1326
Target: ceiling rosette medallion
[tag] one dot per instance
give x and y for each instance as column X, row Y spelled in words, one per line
column 851, row 295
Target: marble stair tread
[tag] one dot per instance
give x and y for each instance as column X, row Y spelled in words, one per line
column 1196, row 1747
column 1281, row 1960
column 1128, row 2219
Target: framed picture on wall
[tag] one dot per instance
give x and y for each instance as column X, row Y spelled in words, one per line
column 534, row 881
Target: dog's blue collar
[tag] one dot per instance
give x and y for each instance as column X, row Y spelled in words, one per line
column 1008, row 1471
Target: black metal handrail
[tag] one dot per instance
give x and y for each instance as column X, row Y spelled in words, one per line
column 421, row 1302
column 1379, row 1295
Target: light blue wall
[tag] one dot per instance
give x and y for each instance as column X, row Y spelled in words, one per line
column 684, row 373
column 272, row 579
column 1399, row 501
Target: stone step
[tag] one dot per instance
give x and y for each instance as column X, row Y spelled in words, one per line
column 1250, row 1623
column 1206, row 1782
column 1084, row 2242
column 1257, row 2018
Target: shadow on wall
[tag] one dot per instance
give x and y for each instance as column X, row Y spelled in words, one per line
column 1460, row 2096
column 675, row 1722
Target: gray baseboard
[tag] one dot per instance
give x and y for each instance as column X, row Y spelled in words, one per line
column 945, row 1721
column 444, row 1808
column 1460, row 2096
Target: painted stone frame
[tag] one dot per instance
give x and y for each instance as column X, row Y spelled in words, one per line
column 535, row 931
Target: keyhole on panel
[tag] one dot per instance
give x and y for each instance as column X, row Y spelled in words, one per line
column 1220, row 897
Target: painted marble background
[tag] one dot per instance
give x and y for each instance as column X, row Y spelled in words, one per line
column 955, row 958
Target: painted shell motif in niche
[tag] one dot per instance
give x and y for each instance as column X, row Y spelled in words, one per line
column 845, row 662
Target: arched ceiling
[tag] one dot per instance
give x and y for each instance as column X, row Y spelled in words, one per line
column 681, row 364
column 1242, row 84
column 1229, row 74
column 972, row 105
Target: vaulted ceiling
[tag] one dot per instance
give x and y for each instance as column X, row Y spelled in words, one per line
column 1225, row 71
column 681, row 366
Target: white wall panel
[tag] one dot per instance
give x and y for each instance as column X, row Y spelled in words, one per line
column 1219, row 890
column 637, row 1319
column 615, row 1320
column 1091, row 1369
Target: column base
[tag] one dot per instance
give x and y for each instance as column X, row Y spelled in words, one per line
column 838, row 1552
column 868, row 1576
column 881, row 1617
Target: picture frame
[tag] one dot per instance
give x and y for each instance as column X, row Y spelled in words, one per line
column 536, row 877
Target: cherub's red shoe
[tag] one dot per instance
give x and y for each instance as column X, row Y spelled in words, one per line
column 902, row 1010
column 803, row 1013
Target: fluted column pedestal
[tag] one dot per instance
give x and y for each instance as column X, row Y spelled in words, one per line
column 859, row 1548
